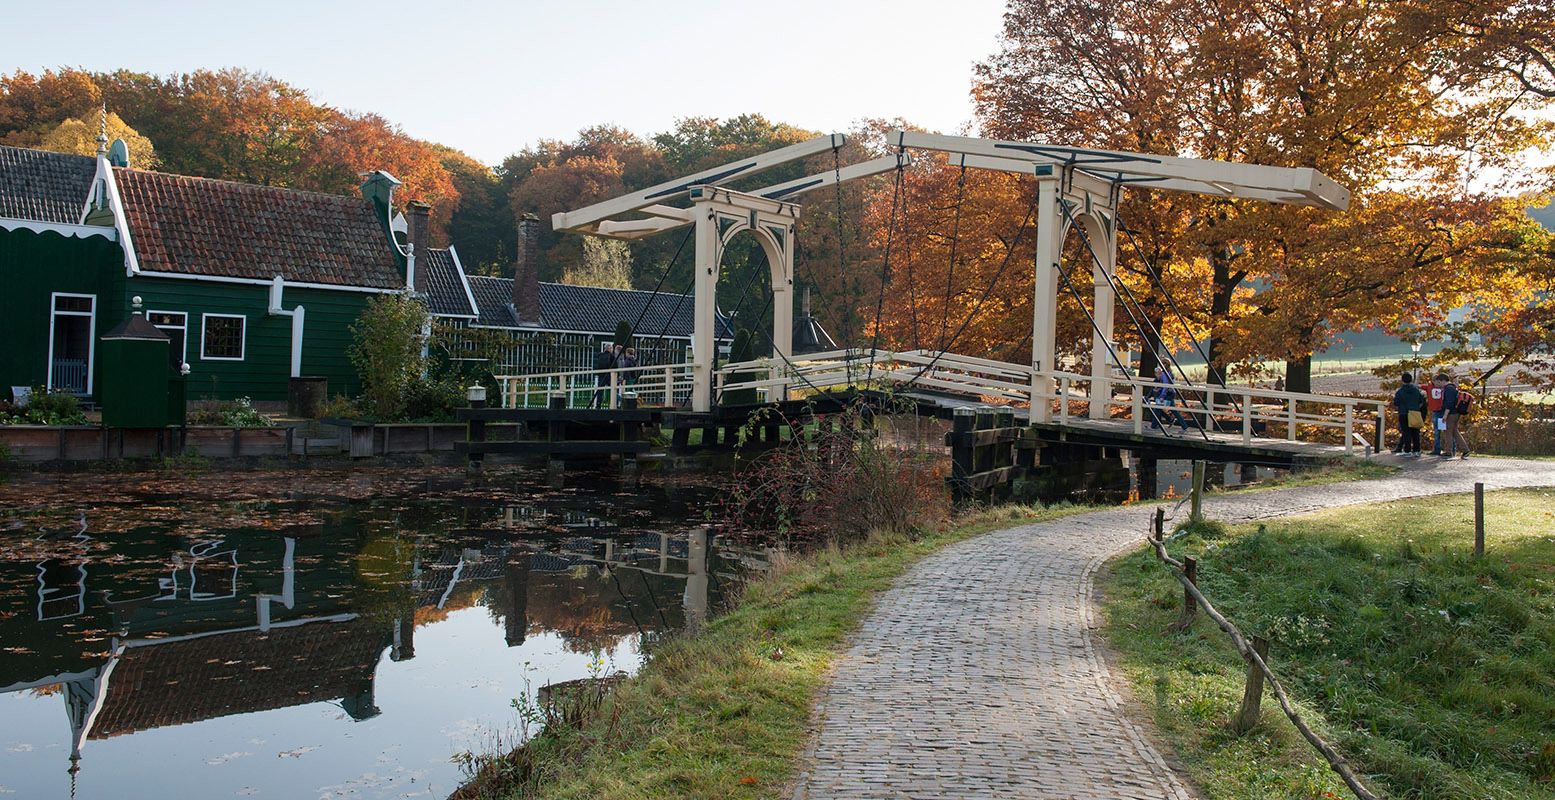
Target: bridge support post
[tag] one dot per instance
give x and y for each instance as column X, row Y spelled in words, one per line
column 1100, row 232
column 1044, row 306
column 709, row 252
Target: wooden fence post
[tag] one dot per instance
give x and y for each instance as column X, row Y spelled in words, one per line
column 1479, row 520
column 1252, row 698
column 1196, row 507
column 1190, row 570
column 1160, row 523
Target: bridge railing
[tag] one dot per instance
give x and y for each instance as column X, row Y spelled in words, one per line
column 1254, row 412
column 666, row 385
column 881, row 369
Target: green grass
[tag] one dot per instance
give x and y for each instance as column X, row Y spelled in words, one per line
column 726, row 713
column 1432, row 671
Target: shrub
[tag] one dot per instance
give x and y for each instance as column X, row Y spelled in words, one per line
column 433, row 399
column 237, row 413
column 386, row 352
column 46, row 408
column 339, row 407
column 841, row 481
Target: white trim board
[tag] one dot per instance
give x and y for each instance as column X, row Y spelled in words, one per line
column 266, row 282
column 63, row 229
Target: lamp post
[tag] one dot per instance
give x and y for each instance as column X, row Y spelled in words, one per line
column 1414, row 346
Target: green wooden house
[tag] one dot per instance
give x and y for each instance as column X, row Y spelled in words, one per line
column 254, row 285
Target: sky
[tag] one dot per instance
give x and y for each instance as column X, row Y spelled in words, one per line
column 489, row 77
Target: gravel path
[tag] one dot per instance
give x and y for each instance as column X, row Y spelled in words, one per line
column 977, row 674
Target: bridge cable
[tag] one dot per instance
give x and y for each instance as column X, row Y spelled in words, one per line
column 885, row 271
column 1105, row 339
column 955, row 241
column 978, row 306
column 1160, row 338
column 1160, row 283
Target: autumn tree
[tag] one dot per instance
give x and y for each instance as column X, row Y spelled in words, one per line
column 607, row 263
column 79, row 136
column 1380, row 96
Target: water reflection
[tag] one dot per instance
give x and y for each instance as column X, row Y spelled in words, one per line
column 347, row 656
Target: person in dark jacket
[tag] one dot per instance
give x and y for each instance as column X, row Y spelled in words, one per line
column 1409, row 398
column 608, row 359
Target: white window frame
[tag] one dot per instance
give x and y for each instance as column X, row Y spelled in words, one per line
column 242, row 337
column 91, row 351
column 183, row 358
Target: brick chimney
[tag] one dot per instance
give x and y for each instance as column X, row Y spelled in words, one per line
column 526, row 271
column 419, row 235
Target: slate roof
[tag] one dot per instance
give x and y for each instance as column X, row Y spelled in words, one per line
column 438, row 278
column 589, row 309
column 494, row 301
column 200, row 226
column 44, row 186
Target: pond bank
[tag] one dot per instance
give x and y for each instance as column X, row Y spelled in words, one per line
column 717, row 715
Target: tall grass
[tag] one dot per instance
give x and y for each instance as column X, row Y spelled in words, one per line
column 1434, row 671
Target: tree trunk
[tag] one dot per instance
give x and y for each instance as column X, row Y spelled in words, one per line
column 1298, row 375
column 1222, row 290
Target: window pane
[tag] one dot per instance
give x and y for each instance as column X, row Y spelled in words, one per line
column 223, row 337
column 171, row 318
column 83, row 304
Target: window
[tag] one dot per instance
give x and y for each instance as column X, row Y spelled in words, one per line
column 222, row 338
column 176, row 325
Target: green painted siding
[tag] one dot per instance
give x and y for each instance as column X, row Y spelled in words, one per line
column 32, row 267
column 263, row 372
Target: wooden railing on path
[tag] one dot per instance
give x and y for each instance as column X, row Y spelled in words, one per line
column 1256, row 658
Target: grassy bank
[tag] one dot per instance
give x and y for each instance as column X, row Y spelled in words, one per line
column 1432, row 671
column 725, row 713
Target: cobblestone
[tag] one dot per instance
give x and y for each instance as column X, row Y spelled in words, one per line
column 978, row 676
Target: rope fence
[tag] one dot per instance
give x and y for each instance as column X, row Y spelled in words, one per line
column 1255, row 654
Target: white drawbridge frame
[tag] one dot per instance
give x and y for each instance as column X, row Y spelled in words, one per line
column 1075, row 187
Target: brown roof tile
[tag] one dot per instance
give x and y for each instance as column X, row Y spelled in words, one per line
column 200, row 226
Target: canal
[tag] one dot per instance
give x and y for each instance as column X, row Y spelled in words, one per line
column 169, row 635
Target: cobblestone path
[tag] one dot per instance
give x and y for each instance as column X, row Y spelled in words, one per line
column 977, row 674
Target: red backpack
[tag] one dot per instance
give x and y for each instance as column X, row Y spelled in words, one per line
column 1465, row 403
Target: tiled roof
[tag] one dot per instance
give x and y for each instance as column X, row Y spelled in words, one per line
column 590, row 309
column 493, row 301
column 190, row 680
column 200, row 226
column 438, row 278
column 39, row 185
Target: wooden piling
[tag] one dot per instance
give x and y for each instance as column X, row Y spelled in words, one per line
column 476, row 434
